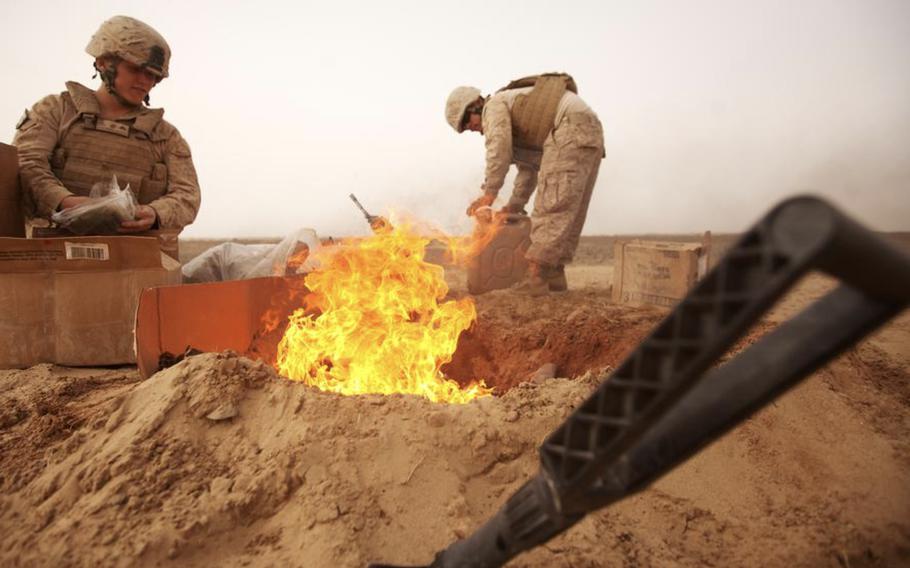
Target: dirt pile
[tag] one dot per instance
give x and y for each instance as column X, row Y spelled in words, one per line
column 218, row 456
column 219, row 462
column 216, row 461
column 576, row 332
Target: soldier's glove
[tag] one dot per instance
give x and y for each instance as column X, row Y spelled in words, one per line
column 484, row 200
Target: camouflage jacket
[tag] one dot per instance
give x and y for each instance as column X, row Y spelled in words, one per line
column 65, row 148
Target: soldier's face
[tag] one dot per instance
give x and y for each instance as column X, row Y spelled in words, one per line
column 474, row 123
column 133, row 82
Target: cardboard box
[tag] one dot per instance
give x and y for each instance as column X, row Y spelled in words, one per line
column 246, row 316
column 167, row 238
column 72, row 301
column 12, row 222
column 656, row 272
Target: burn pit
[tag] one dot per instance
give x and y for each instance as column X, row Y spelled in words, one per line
column 377, row 318
column 515, row 335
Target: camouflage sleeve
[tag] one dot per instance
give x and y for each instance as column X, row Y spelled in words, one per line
column 178, row 207
column 36, row 140
column 497, row 131
column 525, row 184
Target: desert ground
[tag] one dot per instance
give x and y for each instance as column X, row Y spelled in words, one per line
column 218, row 461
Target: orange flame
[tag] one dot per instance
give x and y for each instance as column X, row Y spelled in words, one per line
column 463, row 249
column 298, row 257
column 375, row 322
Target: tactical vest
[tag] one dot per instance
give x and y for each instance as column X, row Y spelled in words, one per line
column 533, row 114
column 91, row 149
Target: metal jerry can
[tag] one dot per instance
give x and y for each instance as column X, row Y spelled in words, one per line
column 500, row 263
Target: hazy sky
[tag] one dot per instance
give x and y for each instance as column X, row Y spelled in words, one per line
column 713, row 110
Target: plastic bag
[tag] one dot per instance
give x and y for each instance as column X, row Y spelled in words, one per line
column 109, row 206
column 237, row 261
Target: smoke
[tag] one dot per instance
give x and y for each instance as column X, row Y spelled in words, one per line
column 712, row 110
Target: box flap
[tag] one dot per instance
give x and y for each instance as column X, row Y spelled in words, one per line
column 12, row 223
column 168, row 262
column 79, row 254
column 215, row 316
column 73, row 317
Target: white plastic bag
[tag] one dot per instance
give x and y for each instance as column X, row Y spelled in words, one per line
column 102, row 214
column 237, row 261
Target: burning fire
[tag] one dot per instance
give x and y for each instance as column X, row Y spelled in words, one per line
column 462, row 249
column 375, row 322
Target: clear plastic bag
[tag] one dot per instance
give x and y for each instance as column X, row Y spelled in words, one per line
column 237, row 261
column 109, row 206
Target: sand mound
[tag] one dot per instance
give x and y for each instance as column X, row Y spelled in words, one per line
column 217, row 455
column 216, row 461
column 219, row 462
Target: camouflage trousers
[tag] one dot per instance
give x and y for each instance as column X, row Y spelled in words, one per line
column 568, row 170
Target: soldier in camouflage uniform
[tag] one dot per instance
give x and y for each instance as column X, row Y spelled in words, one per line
column 69, row 142
column 556, row 141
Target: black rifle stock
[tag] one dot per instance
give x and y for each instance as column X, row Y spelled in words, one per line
column 667, row 400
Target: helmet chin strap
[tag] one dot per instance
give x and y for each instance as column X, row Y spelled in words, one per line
column 108, row 77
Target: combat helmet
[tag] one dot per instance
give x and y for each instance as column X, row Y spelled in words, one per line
column 456, row 105
column 133, row 41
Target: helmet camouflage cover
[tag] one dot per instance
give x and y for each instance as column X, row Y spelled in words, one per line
column 133, row 41
column 457, row 103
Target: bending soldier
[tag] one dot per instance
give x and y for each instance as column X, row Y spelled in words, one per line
column 69, row 142
column 540, row 124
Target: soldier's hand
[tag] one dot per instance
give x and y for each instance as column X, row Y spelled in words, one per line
column 72, row 201
column 145, row 219
column 484, row 200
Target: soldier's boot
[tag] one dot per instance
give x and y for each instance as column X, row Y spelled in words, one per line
column 557, row 280
column 536, row 280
